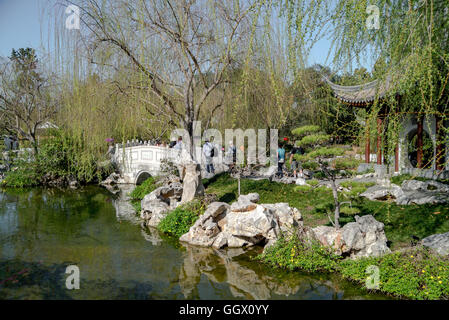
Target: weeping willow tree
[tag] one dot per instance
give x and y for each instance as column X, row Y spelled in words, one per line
column 410, row 48
column 178, row 52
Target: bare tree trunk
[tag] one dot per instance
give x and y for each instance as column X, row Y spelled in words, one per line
column 331, row 177
column 32, row 138
column 239, row 183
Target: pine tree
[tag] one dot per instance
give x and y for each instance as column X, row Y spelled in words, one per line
column 318, row 152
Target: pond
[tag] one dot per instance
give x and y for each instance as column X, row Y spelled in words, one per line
column 42, row 231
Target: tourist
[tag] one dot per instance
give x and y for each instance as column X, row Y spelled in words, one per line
column 281, row 159
column 179, row 145
column 208, row 151
column 294, row 164
column 232, row 153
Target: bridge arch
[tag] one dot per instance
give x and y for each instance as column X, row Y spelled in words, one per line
column 141, row 176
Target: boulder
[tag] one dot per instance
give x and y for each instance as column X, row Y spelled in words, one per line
column 286, row 217
column 252, row 226
column 206, row 229
column 73, row 183
column 112, row 179
column 284, row 179
column 164, row 193
column 245, row 203
column 244, row 223
column 153, row 211
column 411, row 192
column 379, row 192
column 156, row 205
column 413, row 185
column 192, row 184
column 438, row 242
column 268, row 172
column 363, row 238
column 301, row 182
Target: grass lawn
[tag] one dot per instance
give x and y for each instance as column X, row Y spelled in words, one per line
column 401, row 222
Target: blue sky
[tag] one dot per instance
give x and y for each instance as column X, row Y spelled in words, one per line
column 24, row 23
column 20, row 25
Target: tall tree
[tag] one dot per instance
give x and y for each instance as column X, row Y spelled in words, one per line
column 174, row 45
column 25, row 101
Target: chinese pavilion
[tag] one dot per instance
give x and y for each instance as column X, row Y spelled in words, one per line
column 415, row 128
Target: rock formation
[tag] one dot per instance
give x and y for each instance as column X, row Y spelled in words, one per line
column 363, row 238
column 192, row 184
column 156, row 205
column 243, row 224
column 411, row 192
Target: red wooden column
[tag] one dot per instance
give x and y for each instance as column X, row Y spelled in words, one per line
column 439, row 161
column 367, row 144
column 419, row 142
column 379, row 140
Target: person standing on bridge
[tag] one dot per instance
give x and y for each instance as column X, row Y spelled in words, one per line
column 179, row 145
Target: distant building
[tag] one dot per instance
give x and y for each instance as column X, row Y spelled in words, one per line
column 415, row 128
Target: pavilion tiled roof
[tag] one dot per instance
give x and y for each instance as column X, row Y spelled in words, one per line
column 361, row 94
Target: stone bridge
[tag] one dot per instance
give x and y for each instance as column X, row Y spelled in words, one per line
column 138, row 160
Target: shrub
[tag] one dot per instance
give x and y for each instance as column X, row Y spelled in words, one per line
column 296, row 253
column 415, row 273
column 306, row 130
column 303, row 188
column 345, row 163
column 308, row 165
column 59, row 158
column 179, row 221
column 24, row 175
column 145, row 188
column 350, row 211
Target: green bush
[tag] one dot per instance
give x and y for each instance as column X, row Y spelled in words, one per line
column 415, row 273
column 308, row 165
column 306, row 130
column 345, row 164
column 350, row 211
column 145, row 188
column 180, row 220
column 59, row 158
column 295, row 253
column 355, row 184
column 24, row 175
column 303, row 188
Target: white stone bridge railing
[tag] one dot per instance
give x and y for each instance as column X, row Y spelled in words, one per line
column 138, row 160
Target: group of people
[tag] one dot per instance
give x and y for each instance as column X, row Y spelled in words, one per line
column 295, row 165
column 210, row 151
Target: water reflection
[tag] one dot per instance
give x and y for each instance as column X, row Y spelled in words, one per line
column 121, row 202
column 248, row 279
column 45, row 230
